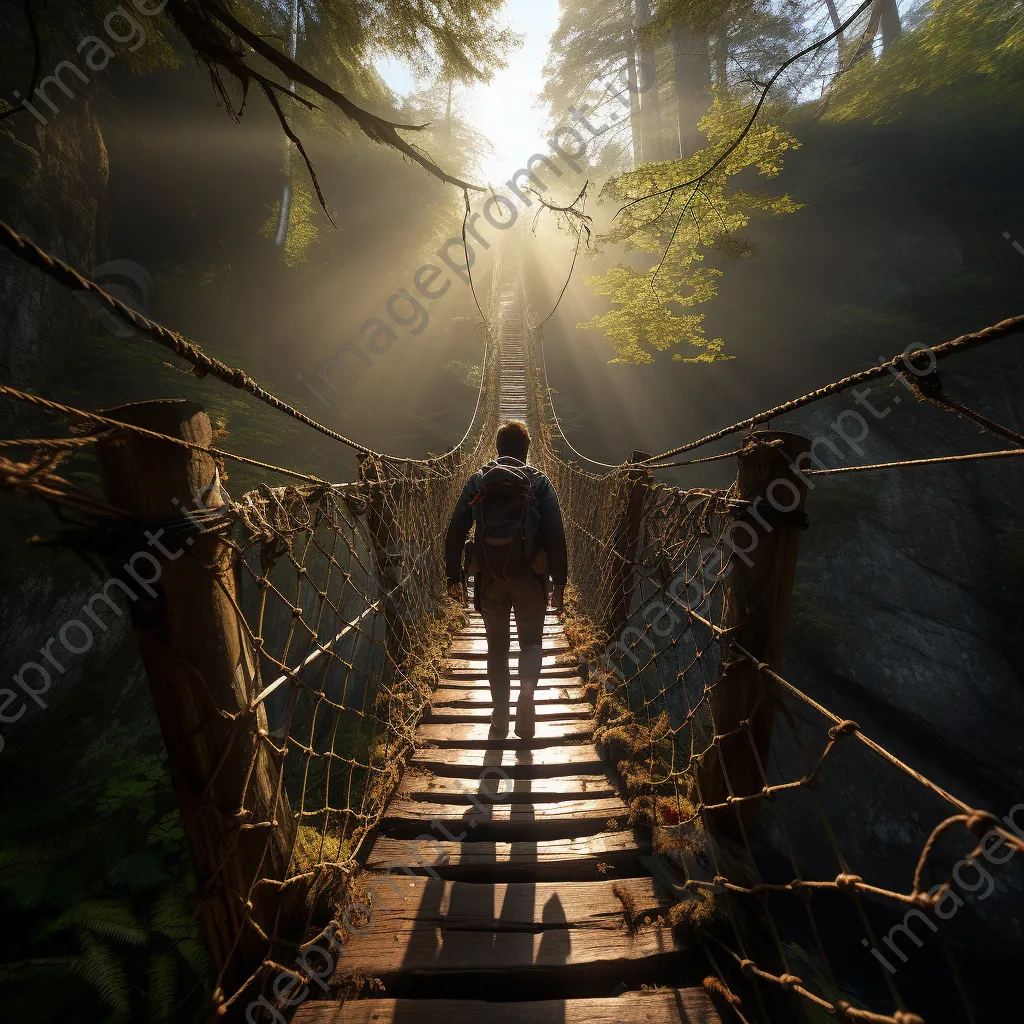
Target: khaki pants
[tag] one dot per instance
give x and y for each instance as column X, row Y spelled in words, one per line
column 498, row 598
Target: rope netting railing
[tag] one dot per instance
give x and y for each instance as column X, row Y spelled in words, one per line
column 292, row 644
column 291, row 637
column 342, row 599
column 757, row 792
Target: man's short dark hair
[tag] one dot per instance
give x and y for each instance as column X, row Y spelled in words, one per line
column 513, row 439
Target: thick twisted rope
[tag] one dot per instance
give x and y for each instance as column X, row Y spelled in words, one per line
column 973, row 456
column 105, row 421
column 898, row 364
column 181, row 346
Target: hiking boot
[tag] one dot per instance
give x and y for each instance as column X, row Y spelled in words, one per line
column 525, row 717
column 499, row 724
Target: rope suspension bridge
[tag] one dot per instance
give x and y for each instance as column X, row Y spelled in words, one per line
column 365, row 852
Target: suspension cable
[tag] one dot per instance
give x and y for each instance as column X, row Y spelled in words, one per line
column 544, row 361
column 1013, row 325
column 202, row 363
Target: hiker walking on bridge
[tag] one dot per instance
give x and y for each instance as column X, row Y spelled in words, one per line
column 518, row 545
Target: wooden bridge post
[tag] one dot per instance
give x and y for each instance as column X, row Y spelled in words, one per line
column 624, row 545
column 757, row 599
column 203, row 673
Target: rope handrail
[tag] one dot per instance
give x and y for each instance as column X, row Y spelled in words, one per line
column 900, row 464
column 202, row 363
column 537, row 330
column 1012, row 325
column 61, row 408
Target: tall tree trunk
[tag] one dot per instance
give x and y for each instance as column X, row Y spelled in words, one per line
column 650, row 110
column 867, row 40
column 891, row 25
column 833, row 13
column 634, row 102
column 53, row 186
column 692, row 72
column 720, row 54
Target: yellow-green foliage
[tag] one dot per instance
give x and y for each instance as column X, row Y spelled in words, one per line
column 975, row 45
column 313, row 848
column 303, row 215
column 697, row 914
column 654, row 306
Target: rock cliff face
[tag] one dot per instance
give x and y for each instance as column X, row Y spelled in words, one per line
column 52, row 188
column 908, row 594
column 54, row 183
column 907, row 618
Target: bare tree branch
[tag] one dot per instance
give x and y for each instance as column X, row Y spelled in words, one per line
column 287, row 128
column 217, row 36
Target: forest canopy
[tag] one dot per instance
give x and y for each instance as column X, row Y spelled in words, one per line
column 694, row 72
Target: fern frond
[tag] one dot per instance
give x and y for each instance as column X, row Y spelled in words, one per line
column 193, row 952
column 172, row 914
column 111, row 919
column 102, row 970
column 163, row 986
column 168, row 831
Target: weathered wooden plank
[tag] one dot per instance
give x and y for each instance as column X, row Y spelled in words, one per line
column 477, row 693
column 474, row 618
column 478, row 670
column 676, row 1006
column 545, row 762
column 453, row 952
column 506, row 822
column 470, row 712
column 477, row 641
column 476, row 736
column 401, row 903
column 551, row 630
column 426, row 810
column 474, row 662
column 546, row 860
column 424, row 786
column 475, row 649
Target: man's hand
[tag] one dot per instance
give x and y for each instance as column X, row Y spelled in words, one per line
column 558, row 598
column 457, row 592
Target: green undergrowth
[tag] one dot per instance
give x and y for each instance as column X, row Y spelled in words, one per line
column 96, row 892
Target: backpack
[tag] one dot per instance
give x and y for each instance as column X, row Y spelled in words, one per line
column 507, row 520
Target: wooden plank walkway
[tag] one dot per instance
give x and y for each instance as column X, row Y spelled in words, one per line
column 510, row 883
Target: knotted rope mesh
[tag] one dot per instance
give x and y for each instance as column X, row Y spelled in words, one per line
column 757, row 794
column 343, row 599
column 752, row 787
column 333, row 616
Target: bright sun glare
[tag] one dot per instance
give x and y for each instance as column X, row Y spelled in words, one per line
column 504, row 110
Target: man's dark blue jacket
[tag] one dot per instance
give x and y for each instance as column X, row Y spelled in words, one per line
column 552, row 532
